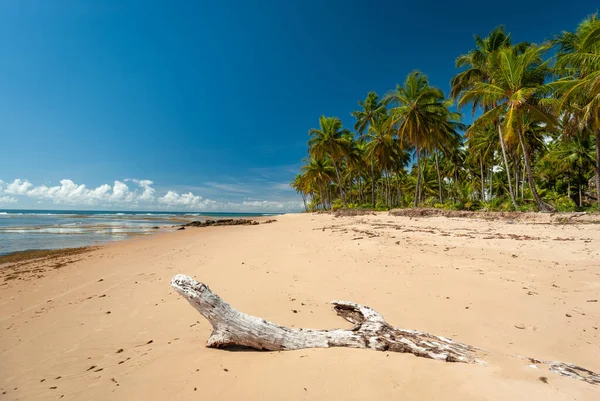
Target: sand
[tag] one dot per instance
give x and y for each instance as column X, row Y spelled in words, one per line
column 106, row 325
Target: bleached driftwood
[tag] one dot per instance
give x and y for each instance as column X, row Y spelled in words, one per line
column 234, row 328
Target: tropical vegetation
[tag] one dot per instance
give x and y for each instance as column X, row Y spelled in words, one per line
column 534, row 143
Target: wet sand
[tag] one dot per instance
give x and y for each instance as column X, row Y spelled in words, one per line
column 106, row 325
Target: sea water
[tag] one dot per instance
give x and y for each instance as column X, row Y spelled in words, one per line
column 22, row 230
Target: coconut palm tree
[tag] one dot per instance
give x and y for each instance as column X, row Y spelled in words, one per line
column 382, row 149
column 355, row 161
column 444, row 138
column 318, row 173
column 574, row 156
column 300, row 184
column 512, row 96
column 480, row 145
column 372, row 109
column 417, row 109
column 479, row 70
column 330, row 140
column 579, row 60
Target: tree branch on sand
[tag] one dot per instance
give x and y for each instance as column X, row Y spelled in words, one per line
column 234, row 328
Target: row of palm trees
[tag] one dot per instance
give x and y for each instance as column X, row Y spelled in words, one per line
column 535, row 142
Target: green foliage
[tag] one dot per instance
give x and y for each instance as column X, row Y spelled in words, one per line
column 337, row 204
column 498, row 204
column 561, row 202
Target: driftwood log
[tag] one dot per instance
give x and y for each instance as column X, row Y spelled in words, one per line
column 234, row 328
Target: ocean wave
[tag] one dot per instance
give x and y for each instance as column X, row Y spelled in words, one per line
column 43, row 214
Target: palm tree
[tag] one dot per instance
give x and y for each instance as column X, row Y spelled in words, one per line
column 444, row 138
column 478, row 61
column 512, row 96
column 382, row 149
column 372, row 110
column 318, row 173
column 481, row 149
column 330, row 141
column 480, row 68
column 355, row 161
column 417, row 110
column 579, row 59
column 575, row 157
column 300, row 185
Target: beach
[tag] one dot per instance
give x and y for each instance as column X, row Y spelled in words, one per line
column 105, row 324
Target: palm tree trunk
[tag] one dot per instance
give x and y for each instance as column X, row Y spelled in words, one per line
column 517, row 178
column 387, row 189
column 416, row 202
column 541, row 205
column 437, row 167
column 522, row 173
column 492, row 181
column 482, row 179
column 372, row 183
column 321, row 197
column 598, row 167
column 503, row 146
column 304, row 201
column 398, row 188
column 523, row 183
column 359, row 188
column 348, row 191
column 337, row 173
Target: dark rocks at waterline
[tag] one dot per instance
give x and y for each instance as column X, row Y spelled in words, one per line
column 269, row 221
column 222, row 222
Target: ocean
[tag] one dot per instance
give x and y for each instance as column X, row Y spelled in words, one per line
column 22, row 230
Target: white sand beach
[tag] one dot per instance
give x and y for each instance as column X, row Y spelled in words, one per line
column 106, row 325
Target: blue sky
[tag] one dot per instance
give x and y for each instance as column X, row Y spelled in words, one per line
column 211, row 98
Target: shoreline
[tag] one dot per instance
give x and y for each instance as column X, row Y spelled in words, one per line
column 519, row 217
column 29, row 254
column 110, row 317
column 168, row 224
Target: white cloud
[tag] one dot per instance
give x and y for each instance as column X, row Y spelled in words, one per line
column 18, row 187
column 7, row 199
column 149, row 193
column 71, row 193
column 189, row 200
column 140, row 196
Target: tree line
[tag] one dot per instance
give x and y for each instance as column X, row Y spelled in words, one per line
column 535, row 144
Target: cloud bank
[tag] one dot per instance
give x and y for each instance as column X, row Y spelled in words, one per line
column 130, row 193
